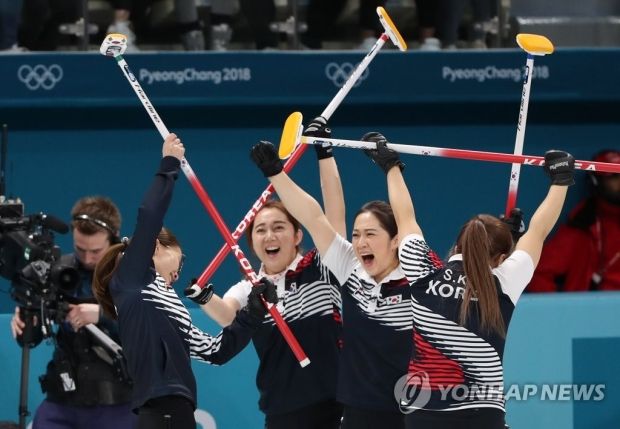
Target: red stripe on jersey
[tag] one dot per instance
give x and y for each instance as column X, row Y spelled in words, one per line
column 441, row 370
column 435, row 259
column 303, row 263
column 396, row 283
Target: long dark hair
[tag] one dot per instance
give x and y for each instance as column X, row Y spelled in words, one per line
column 106, row 267
column 482, row 240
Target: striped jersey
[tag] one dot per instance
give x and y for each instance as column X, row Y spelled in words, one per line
column 456, row 367
column 377, row 330
column 155, row 328
column 309, row 300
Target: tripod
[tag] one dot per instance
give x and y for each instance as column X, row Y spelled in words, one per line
column 29, row 339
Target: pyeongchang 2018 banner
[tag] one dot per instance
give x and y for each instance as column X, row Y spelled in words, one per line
column 90, row 79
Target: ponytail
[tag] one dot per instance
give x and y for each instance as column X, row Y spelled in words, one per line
column 481, row 241
column 104, row 271
column 106, row 268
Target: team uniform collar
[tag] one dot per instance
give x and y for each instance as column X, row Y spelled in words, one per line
column 396, row 274
column 275, row 277
column 457, row 257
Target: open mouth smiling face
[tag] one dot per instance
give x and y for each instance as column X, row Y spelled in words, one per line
column 274, row 240
column 373, row 246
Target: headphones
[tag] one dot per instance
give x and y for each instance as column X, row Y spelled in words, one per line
column 114, row 235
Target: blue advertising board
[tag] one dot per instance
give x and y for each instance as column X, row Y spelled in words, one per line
column 80, row 80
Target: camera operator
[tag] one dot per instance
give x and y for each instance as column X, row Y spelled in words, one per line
column 82, row 389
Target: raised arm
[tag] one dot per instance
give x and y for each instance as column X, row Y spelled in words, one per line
column 559, row 166
column 151, row 214
column 331, row 185
column 400, row 198
column 300, row 204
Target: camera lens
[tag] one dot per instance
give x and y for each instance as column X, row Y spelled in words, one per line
column 65, row 277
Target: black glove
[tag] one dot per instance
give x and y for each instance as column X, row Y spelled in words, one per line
column 199, row 295
column 318, row 128
column 267, row 290
column 265, row 156
column 560, row 166
column 382, row 156
column 515, row 222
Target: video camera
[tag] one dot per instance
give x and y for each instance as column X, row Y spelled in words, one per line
column 31, row 261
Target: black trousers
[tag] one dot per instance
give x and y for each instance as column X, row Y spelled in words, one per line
column 479, row 418
column 449, row 18
column 358, row 418
column 322, row 15
column 40, row 20
column 167, row 412
column 324, row 415
column 260, row 13
column 427, row 13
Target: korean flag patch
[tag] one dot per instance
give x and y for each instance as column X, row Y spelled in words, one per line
column 394, row 299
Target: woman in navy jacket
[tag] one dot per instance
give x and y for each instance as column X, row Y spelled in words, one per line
column 133, row 282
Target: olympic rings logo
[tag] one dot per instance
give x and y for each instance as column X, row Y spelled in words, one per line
column 40, row 76
column 339, row 73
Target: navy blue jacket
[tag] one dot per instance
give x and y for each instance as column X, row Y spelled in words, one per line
column 156, row 330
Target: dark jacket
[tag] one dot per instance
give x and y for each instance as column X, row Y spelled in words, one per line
column 156, row 330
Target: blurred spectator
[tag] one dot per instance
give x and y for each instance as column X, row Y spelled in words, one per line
column 451, row 15
column 322, row 15
column 42, row 18
column 121, row 23
column 185, row 14
column 260, row 14
column 10, row 14
column 585, row 252
column 222, row 12
column 40, row 22
column 190, row 26
column 427, row 21
column 370, row 27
